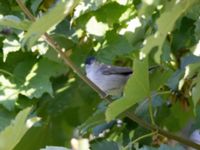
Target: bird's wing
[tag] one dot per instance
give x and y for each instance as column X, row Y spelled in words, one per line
column 109, row 70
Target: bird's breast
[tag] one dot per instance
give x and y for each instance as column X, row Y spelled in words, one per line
column 108, row 82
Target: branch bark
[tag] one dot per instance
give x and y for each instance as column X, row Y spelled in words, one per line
column 129, row 113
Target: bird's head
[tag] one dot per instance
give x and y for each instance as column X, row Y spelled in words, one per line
column 90, row 60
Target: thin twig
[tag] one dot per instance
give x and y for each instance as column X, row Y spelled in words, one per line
column 128, row 113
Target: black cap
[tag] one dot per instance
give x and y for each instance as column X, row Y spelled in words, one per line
column 90, row 60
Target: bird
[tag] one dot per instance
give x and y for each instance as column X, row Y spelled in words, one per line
column 110, row 79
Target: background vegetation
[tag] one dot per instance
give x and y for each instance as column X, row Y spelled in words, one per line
column 46, row 101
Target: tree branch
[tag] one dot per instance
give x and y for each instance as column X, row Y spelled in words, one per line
column 103, row 95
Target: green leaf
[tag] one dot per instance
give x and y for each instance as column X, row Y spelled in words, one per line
column 48, row 134
column 148, row 7
column 96, row 28
column 195, row 90
column 8, row 93
column 165, row 24
column 72, row 104
column 5, row 117
column 35, row 5
column 96, row 119
column 104, row 145
column 10, row 45
column 14, row 22
column 5, row 8
column 13, row 133
column 91, row 5
column 194, row 12
column 197, row 29
column 103, row 14
column 52, row 18
column 33, row 78
column 197, row 118
column 136, row 90
column 164, row 147
column 67, row 102
column 159, row 78
column 184, row 35
column 176, row 112
column 116, row 45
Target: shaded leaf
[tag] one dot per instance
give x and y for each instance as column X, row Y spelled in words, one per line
column 116, row 45
column 5, row 8
column 97, row 118
column 195, row 90
column 49, row 134
column 194, row 12
column 102, row 145
column 177, row 113
column 164, row 147
column 159, row 78
column 197, row 29
column 5, row 117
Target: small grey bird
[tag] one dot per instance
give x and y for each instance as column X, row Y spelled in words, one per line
column 110, row 79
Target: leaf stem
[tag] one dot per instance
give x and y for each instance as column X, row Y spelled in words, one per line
column 6, row 72
column 103, row 95
column 151, row 111
column 162, row 93
column 140, row 138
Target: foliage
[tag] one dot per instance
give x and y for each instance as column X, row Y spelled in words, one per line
column 36, row 83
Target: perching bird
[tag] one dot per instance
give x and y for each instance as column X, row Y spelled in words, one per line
column 110, row 79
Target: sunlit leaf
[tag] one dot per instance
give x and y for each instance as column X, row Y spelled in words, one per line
column 13, row 133
column 33, row 78
column 53, row 17
column 136, row 90
column 96, row 28
column 165, row 24
column 102, row 14
column 9, row 93
column 10, row 45
column 14, row 22
column 80, row 144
